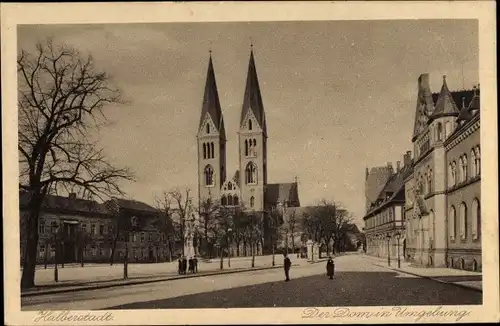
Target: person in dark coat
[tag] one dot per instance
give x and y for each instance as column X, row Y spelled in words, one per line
column 191, row 265
column 180, row 265
column 195, row 262
column 286, row 265
column 330, row 268
column 184, row 265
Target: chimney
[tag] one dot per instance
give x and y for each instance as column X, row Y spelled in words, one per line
column 398, row 166
column 72, row 196
column 389, row 166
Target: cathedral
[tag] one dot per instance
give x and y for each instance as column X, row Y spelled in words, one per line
column 247, row 187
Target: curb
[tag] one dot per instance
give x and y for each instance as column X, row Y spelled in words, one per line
column 138, row 282
column 432, row 278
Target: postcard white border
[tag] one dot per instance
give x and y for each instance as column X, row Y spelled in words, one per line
column 98, row 13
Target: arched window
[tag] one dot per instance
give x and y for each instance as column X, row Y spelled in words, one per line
column 447, row 129
column 464, row 171
column 254, row 143
column 230, row 186
column 252, row 201
column 223, row 200
column 208, row 128
column 251, row 173
column 209, row 176
column 249, row 124
column 246, row 147
column 212, row 150
column 476, row 219
column 439, row 131
column 429, row 182
column 463, row 221
column 230, row 200
column 455, row 174
column 204, row 151
column 460, row 169
column 452, row 223
column 478, row 161
column 472, row 164
column 235, row 200
column 450, row 175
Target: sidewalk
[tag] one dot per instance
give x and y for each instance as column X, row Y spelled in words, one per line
column 97, row 277
column 466, row 279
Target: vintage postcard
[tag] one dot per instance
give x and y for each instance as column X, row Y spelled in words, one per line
column 255, row 163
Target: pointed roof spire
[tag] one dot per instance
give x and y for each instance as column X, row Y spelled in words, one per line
column 211, row 103
column 425, row 105
column 445, row 103
column 252, row 99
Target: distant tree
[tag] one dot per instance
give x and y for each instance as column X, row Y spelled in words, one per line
column 208, row 211
column 184, row 211
column 240, row 222
column 164, row 222
column 253, row 233
column 61, row 98
column 83, row 239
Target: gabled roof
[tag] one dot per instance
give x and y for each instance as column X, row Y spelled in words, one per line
column 135, row 205
column 62, row 203
column 252, row 99
column 282, row 192
column 211, row 103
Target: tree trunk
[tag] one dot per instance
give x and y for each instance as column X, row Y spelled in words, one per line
column 253, row 254
column 170, row 250
column 113, row 249
column 31, row 231
column 45, row 257
column 237, row 248
column 81, row 256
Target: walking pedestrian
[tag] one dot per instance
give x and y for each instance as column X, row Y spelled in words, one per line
column 286, row 265
column 179, row 268
column 184, row 265
column 191, row 265
column 330, row 268
column 195, row 261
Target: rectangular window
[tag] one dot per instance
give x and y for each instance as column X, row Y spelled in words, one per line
column 92, row 228
column 84, row 227
column 142, row 236
column 101, row 251
column 41, row 251
column 150, row 236
column 101, row 229
column 41, row 227
column 94, row 251
column 134, row 237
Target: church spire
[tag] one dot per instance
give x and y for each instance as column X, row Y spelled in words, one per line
column 252, row 100
column 211, row 103
column 425, row 105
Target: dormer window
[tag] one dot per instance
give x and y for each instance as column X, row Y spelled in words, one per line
column 249, row 124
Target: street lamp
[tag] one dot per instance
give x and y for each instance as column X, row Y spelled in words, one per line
column 53, row 227
column 229, row 246
column 388, row 250
column 398, row 236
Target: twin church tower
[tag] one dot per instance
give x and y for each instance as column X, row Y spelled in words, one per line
column 248, row 186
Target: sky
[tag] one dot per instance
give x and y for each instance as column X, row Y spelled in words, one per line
column 339, row 96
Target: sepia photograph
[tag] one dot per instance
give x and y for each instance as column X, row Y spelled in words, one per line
column 323, row 164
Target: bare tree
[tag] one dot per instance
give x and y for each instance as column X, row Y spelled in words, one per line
column 292, row 221
column 61, row 99
column 253, row 234
column 209, row 210
column 165, row 223
column 183, row 204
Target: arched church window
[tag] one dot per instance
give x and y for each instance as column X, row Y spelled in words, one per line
column 254, row 143
column 464, row 171
column 463, row 221
column 230, row 200
column 472, row 164
column 223, row 200
column 208, row 128
column 246, row 147
column 212, row 150
column 235, row 200
column 209, row 176
column 204, row 151
column 230, row 186
column 249, row 124
column 252, row 201
column 251, row 173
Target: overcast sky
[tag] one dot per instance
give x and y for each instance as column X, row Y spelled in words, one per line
column 339, row 96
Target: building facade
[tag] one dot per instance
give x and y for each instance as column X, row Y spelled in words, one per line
column 441, row 191
column 79, row 230
column 248, row 188
column 384, row 224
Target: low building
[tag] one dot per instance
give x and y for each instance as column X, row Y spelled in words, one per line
column 85, row 230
